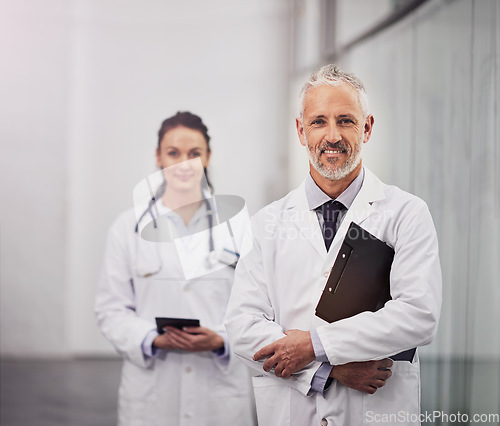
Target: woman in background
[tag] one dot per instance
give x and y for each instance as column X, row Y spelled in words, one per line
column 183, row 376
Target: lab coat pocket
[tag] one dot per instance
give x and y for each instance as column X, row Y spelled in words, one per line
column 272, row 399
column 210, row 297
column 148, row 262
column 398, row 402
column 137, row 394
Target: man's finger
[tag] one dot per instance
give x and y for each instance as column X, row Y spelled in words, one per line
column 385, row 364
column 262, row 353
column 278, row 371
column 378, row 383
column 270, row 363
column 388, row 363
column 385, row 374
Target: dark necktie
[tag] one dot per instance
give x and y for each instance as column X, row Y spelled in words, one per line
column 331, row 210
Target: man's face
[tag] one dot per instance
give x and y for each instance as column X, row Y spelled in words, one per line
column 333, row 130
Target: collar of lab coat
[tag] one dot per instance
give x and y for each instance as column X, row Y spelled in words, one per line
column 306, row 220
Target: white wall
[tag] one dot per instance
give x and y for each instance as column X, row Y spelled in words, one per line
column 92, row 82
column 34, row 87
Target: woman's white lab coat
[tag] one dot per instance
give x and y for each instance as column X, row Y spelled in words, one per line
column 142, row 280
column 278, row 285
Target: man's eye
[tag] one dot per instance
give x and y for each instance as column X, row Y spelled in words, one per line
column 172, row 153
column 346, row 121
column 195, row 154
column 316, row 122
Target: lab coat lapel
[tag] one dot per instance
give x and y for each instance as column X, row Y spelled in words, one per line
column 361, row 208
column 306, row 220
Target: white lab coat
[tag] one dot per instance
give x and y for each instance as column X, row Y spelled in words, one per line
column 176, row 388
column 278, row 285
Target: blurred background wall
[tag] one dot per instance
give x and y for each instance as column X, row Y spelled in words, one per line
column 85, row 85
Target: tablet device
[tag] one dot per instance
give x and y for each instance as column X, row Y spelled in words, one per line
column 162, row 322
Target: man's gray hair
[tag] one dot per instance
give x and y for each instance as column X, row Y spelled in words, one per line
column 332, row 75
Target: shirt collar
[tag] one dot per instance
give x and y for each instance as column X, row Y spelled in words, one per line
column 316, row 197
column 163, row 210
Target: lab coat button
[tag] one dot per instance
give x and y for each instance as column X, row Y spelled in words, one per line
column 187, row 415
column 188, row 369
column 325, row 274
column 324, row 422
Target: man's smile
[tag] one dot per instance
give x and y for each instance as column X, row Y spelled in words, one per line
column 333, row 150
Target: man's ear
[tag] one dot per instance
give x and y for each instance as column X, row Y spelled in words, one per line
column 368, row 128
column 300, row 131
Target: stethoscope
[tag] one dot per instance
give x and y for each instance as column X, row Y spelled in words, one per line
column 212, row 258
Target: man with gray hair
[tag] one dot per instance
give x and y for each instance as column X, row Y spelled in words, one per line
column 348, row 372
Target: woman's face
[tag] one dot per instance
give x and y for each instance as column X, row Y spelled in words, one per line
column 183, row 154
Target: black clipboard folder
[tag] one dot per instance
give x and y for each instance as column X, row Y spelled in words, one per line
column 359, row 280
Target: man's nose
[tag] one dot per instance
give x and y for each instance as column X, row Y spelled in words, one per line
column 333, row 133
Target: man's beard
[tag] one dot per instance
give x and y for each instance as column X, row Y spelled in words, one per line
column 335, row 173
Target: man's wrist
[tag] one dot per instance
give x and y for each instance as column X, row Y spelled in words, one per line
column 319, row 350
column 321, row 380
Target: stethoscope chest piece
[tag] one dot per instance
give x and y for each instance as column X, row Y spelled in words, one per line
column 211, row 259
